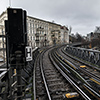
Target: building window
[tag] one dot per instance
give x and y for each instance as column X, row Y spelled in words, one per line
column 28, row 37
column 33, row 26
column 36, row 25
column 31, row 37
column 30, row 25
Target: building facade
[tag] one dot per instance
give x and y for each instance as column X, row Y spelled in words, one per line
column 3, row 17
column 64, row 34
column 94, row 35
column 39, row 32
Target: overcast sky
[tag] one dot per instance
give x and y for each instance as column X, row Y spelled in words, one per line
column 81, row 15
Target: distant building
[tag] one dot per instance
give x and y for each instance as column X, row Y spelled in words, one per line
column 54, row 33
column 97, row 30
column 96, row 33
column 90, row 36
column 64, row 34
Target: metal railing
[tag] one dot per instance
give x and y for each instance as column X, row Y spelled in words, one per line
column 89, row 55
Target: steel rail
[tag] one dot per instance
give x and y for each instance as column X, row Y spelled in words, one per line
column 95, row 93
column 42, row 72
column 72, row 70
column 69, row 79
column 83, row 61
column 34, row 86
column 93, row 75
column 44, row 79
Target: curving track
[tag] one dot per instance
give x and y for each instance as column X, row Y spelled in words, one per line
column 51, row 82
column 83, row 77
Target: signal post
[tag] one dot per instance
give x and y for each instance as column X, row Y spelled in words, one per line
column 16, row 42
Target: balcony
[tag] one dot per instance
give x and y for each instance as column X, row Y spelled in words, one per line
column 37, row 34
column 37, row 40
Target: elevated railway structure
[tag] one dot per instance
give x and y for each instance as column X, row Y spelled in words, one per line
column 51, row 82
column 56, row 75
column 88, row 71
column 89, row 55
column 85, row 80
column 26, row 78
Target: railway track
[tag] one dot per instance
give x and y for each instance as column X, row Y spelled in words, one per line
column 92, row 83
column 51, row 83
column 89, row 64
column 88, row 70
column 57, row 78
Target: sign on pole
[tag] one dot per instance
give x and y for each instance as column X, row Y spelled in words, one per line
column 28, row 53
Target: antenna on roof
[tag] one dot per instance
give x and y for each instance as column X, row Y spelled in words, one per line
column 9, row 3
column 53, row 21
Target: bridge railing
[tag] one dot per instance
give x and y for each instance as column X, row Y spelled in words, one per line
column 89, row 55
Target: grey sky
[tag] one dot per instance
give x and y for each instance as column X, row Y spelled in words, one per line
column 81, row 15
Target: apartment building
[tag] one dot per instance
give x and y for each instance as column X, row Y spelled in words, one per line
column 54, row 33
column 37, row 28
column 39, row 32
column 3, row 17
column 64, row 34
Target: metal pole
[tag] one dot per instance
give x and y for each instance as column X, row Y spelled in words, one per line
column 7, row 60
column 9, row 3
column 19, row 80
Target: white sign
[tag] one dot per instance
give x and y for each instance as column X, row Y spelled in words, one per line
column 28, row 50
